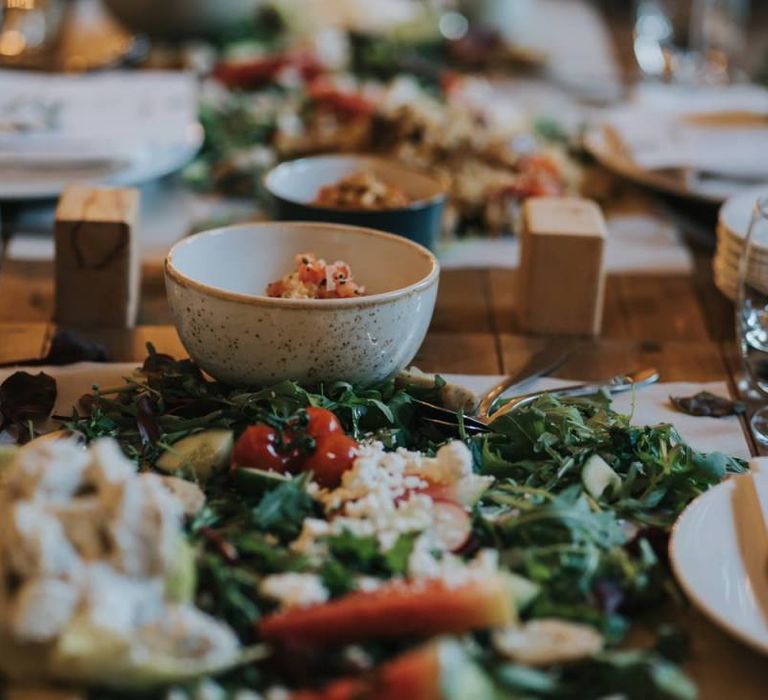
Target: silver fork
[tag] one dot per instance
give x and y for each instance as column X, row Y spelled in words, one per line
column 445, row 418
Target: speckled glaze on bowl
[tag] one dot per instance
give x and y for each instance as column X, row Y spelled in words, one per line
column 293, row 186
column 215, row 283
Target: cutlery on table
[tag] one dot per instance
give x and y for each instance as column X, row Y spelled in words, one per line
column 541, row 364
column 615, row 385
column 444, row 418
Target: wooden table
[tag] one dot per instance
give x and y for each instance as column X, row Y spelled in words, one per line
column 676, row 322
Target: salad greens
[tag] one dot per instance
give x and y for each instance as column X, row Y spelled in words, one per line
column 579, row 511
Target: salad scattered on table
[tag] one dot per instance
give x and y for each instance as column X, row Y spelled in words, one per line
column 404, row 93
column 330, row 543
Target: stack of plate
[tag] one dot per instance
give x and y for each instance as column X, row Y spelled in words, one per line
column 732, row 228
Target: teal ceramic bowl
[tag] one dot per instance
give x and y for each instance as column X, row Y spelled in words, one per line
column 293, row 186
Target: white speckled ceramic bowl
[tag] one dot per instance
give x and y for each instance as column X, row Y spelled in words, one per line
column 216, row 280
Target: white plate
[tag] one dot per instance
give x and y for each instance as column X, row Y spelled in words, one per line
column 712, row 190
column 39, row 183
column 736, row 214
column 719, row 554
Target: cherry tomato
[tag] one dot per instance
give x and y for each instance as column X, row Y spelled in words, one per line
column 259, row 447
column 310, row 269
column 334, row 99
column 249, row 74
column 334, row 454
column 322, row 422
column 275, row 289
column 258, row 71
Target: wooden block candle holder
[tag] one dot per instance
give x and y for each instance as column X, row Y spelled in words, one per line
column 97, row 258
column 562, row 278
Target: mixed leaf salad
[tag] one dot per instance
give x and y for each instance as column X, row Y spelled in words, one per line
column 285, row 93
column 330, row 543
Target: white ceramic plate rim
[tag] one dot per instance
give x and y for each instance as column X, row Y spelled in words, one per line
column 165, row 160
column 736, row 214
column 717, row 616
column 367, row 300
column 597, row 146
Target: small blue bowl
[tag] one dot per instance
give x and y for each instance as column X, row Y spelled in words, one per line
column 293, row 186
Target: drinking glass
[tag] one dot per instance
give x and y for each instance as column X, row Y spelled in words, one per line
column 752, row 313
column 691, row 40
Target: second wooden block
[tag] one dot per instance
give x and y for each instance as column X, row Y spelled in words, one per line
column 562, row 279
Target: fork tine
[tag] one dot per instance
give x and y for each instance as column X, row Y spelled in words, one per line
column 453, row 426
column 445, row 414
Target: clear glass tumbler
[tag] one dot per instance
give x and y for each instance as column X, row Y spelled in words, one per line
column 691, row 41
column 752, row 314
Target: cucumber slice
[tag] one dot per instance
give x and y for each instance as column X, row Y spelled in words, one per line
column 460, row 677
column 255, row 482
column 523, row 590
column 181, row 580
column 200, row 454
column 598, row 477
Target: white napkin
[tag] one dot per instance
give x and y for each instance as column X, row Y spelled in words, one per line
column 53, row 120
column 647, row 406
column 637, row 242
column 715, row 130
column 650, row 406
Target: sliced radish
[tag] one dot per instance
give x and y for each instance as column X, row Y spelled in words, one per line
column 452, row 526
column 466, row 491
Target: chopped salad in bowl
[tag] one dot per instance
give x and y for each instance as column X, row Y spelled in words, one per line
column 316, row 279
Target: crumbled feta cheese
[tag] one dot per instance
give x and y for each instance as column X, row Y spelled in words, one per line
column 312, row 530
column 368, row 584
column 450, row 569
column 294, row 590
column 375, row 472
column 385, row 495
column 452, row 462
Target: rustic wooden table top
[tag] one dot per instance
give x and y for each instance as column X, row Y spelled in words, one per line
column 676, row 322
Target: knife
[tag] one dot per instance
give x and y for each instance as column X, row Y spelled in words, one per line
column 539, row 365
